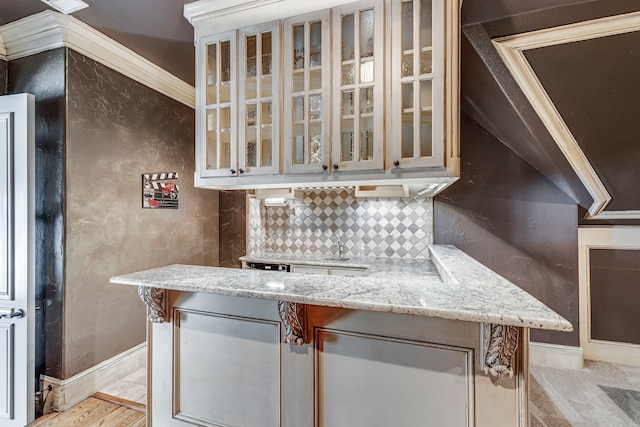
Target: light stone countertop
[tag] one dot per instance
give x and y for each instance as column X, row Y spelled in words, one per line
column 468, row 291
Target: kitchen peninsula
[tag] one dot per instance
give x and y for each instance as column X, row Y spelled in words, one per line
column 392, row 347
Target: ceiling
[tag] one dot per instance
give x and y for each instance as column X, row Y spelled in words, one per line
column 155, row 29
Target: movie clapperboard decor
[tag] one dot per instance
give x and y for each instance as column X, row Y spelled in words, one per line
column 158, row 190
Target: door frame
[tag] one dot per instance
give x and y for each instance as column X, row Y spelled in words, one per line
column 21, row 185
column 603, row 237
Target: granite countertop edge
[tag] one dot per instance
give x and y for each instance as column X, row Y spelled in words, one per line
column 469, row 292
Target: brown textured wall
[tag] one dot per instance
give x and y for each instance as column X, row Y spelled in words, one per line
column 118, row 129
column 233, row 227
column 512, row 219
column 614, row 280
column 43, row 75
column 3, row 76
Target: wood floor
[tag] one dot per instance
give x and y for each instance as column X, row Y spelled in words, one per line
column 98, row 410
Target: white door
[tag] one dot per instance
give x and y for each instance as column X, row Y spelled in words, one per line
column 17, row 194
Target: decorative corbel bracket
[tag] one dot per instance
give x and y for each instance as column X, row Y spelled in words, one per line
column 155, row 300
column 293, row 318
column 498, row 344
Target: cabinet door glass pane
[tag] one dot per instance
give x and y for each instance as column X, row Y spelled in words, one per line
column 426, row 133
column 252, row 69
column 346, row 152
column 267, row 61
column 212, row 139
column 315, row 107
column 366, row 100
column 212, row 74
column 426, row 118
column 407, row 120
column 425, row 23
column 366, row 138
column 315, row 138
column 426, row 61
column 348, row 74
column 225, row 72
column 266, row 114
column 225, row 150
column 348, row 37
column 265, row 156
column 426, row 96
column 251, row 147
column 407, row 25
column 347, row 102
column 298, row 47
column 366, row 33
column 315, row 42
column 298, row 145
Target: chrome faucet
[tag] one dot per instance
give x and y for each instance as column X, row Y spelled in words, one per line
column 340, row 248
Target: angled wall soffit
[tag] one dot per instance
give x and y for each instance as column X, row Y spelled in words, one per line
column 49, row 30
column 512, row 48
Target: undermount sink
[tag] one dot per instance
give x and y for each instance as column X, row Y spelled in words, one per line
column 338, row 259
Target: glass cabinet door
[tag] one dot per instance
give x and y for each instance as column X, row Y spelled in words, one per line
column 259, row 112
column 358, row 85
column 306, row 93
column 418, row 77
column 216, row 131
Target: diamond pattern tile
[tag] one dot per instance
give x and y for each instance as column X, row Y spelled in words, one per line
column 392, row 228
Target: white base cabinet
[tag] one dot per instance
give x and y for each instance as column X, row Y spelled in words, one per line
column 224, row 361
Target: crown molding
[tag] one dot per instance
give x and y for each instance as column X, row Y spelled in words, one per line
column 3, row 52
column 512, row 48
column 210, row 9
column 49, row 30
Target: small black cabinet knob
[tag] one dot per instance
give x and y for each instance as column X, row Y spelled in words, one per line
column 241, row 171
column 233, row 171
column 396, row 163
column 325, row 167
column 335, row 167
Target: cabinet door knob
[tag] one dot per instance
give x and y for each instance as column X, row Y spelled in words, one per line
column 335, row 167
column 396, row 163
column 325, row 167
column 233, row 171
column 241, row 171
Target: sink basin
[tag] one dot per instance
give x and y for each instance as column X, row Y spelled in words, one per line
column 338, row 259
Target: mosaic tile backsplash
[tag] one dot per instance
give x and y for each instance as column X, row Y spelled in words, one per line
column 371, row 228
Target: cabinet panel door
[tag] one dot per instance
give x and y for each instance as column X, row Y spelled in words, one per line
column 358, row 86
column 259, row 99
column 417, row 77
column 216, row 105
column 368, row 381
column 307, row 102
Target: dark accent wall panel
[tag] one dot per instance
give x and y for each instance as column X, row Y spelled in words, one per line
column 43, row 75
column 117, row 130
column 510, row 218
column 233, row 227
column 614, row 283
column 604, row 117
column 3, row 76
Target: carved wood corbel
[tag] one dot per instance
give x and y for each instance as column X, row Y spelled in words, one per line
column 293, row 319
column 497, row 348
column 155, row 300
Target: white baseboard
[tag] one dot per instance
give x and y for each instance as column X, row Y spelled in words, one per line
column 66, row 393
column 556, row 356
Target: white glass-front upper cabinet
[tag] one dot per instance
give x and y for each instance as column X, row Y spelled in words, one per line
column 259, row 112
column 417, row 78
column 307, row 83
column 217, row 105
column 358, row 86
